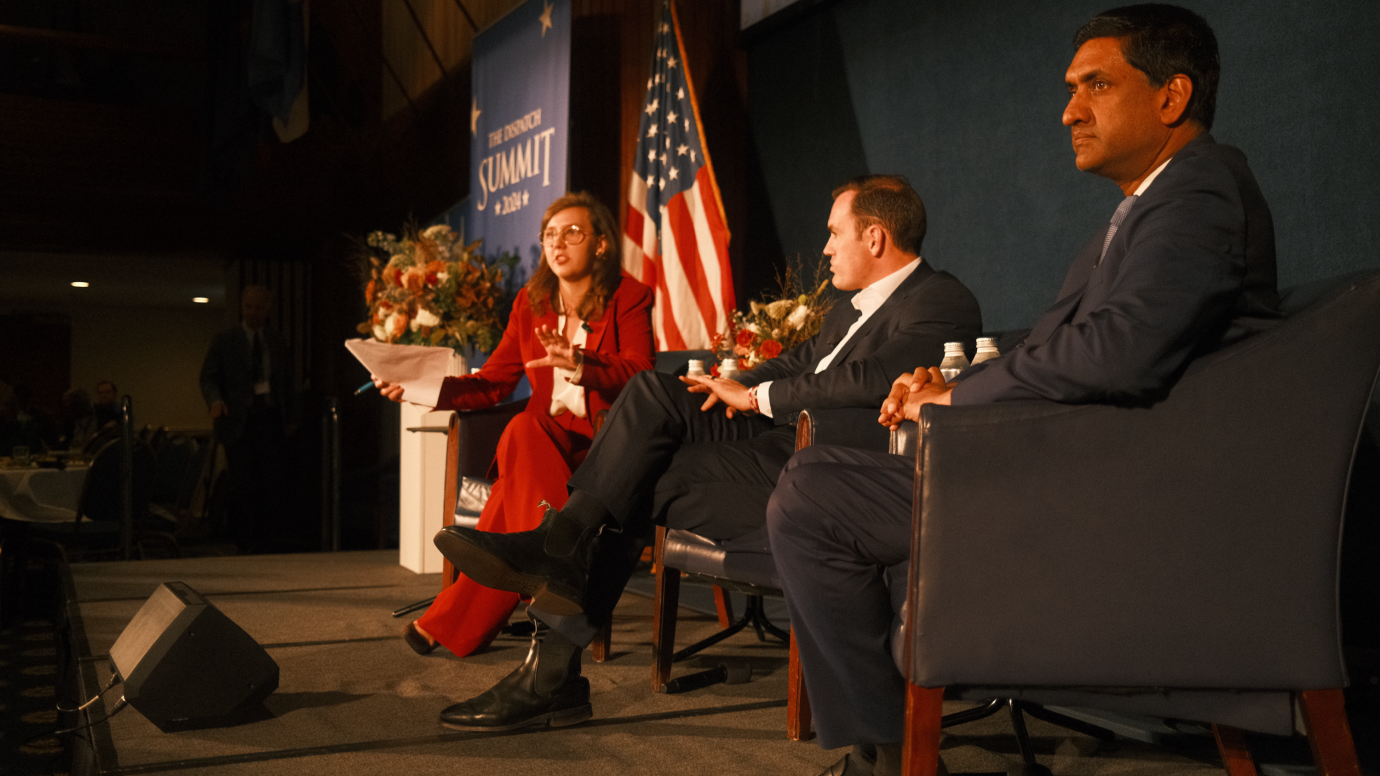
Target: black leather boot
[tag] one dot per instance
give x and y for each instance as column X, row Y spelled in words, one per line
column 546, row 689
column 549, row 564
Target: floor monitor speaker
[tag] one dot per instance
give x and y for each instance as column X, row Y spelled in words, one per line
column 186, row 665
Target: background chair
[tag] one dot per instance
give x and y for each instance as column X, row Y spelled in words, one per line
column 1180, row 560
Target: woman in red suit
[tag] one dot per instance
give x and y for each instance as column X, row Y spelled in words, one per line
column 579, row 332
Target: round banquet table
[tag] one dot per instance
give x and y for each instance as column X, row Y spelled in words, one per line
column 35, row 495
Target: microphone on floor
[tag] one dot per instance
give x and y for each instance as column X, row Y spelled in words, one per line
column 726, row 672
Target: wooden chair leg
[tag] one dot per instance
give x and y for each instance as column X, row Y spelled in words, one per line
column 1329, row 734
column 724, row 604
column 603, row 643
column 1236, row 756
column 920, row 748
column 665, row 602
column 798, row 717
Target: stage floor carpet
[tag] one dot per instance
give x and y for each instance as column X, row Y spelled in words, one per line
column 353, row 699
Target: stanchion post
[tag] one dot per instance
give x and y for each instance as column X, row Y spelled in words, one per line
column 126, row 478
column 335, row 475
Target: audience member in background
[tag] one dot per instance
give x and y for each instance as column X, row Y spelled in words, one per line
column 17, row 428
column 79, row 418
column 1185, row 266
column 576, row 363
column 248, row 383
column 107, row 405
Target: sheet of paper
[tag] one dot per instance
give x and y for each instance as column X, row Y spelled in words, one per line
column 417, row 368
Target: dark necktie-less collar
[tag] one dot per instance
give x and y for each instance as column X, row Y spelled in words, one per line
column 1117, row 218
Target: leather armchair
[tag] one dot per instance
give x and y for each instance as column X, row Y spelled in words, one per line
column 1179, row 560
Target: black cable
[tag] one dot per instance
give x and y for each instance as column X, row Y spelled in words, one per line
column 114, row 680
column 116, row 709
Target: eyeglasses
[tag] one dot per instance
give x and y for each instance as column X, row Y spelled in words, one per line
column 571, row 235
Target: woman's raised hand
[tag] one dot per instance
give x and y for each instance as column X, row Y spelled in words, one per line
column 559, row 351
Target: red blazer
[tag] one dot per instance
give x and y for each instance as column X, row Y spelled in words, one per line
column 619, row 346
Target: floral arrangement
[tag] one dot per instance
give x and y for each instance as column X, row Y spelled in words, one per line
column 770, row 328
column 426, row 289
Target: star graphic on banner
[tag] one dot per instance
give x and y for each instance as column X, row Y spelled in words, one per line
column 545, row 19
column 651, row 108
column 675, row 173
column 671, row 116
column 681, row 151
column 525, row 197
column 474, row 117
column 651, row 131
column 680, row 93
column 671, row 62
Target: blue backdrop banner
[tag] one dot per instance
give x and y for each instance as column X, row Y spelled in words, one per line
column 518, row 127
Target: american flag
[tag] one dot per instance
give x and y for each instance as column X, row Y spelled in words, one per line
column 676, row 237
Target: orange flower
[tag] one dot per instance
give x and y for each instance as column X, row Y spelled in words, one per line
column 399, row 324
column 745, row 337
column 769, row 349
column 413, row 280
column 370, row 291
column 391, row 276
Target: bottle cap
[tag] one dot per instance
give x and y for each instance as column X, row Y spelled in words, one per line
column 987, row 342
column 696, row 363
column 728, row 363
column 953, row 347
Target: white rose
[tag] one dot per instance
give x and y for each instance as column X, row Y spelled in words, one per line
column 754, row 328
column 798, row 316
column 441, row 277
column 380, row 333
column 756, row 308
column 437, row 232
column 425, row 317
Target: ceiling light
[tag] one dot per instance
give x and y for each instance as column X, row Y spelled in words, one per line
column 200, row 299
column 80, row 284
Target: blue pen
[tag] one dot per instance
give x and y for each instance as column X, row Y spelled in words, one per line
column 364, row 387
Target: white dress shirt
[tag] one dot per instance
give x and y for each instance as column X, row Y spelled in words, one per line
column 566, row 393
column 866, row 301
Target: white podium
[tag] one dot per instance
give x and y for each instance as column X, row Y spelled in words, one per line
column 421, row 486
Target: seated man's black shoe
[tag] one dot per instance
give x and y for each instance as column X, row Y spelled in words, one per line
column 546, row 689
column 549, row 564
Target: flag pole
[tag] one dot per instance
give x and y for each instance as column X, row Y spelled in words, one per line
column 699, row 125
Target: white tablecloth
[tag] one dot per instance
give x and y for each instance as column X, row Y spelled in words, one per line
column 41, row 495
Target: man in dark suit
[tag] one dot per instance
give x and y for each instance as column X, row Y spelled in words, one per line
column 1186, row 266
column 663, row 455
column 248, row 383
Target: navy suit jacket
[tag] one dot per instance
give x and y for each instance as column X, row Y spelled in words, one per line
column 226, row 375
column 1190, row 270
column 909, row 330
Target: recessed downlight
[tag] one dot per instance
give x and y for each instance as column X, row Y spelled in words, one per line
column 200, row 299
column 80, row 284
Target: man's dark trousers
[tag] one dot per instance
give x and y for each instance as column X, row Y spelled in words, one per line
column 660, row 457
column 844, row 573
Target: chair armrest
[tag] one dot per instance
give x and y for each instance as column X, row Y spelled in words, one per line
column 905, row 439
column 847, row 426
column 1180, row 546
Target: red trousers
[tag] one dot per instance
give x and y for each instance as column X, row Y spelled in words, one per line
column 536, row 456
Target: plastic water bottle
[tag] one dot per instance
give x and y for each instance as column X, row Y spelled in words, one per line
column 986, row 349
column 728, row 369
column 695, row 369
column 954, row 361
